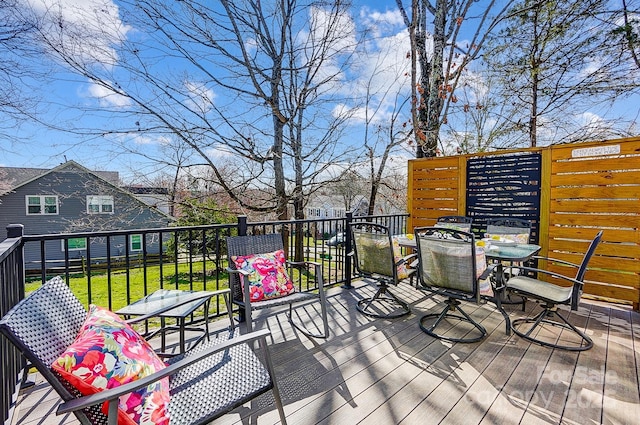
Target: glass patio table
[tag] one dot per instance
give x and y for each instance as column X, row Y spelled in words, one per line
column 176, row 304
column 511, row 253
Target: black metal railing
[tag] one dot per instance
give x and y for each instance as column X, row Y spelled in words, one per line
column 11, row 361
column 115, row 268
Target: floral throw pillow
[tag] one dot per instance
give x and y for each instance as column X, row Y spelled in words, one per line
column 108, row 353
column 268, row 277
column 519, row 238
column 403, row 269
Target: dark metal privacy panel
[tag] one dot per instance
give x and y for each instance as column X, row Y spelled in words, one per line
column 504, row 186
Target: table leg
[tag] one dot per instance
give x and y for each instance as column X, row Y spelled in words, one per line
column 498, row 287
column 181, row 320
column 206, row 318
column 162, row 335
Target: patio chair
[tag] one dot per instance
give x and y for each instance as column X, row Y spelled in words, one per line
column 550, row 296
column 450, row 266
column 203, row 383
column 378, row 256
column 457, row 222
column 515, row 229
column 510, row 229
column 246, row 250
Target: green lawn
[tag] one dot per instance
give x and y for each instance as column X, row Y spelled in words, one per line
column 101, row 287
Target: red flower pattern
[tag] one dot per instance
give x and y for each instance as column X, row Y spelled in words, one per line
column 268, row 277
column 108, row 353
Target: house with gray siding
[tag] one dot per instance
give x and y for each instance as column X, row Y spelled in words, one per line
column 73, row 199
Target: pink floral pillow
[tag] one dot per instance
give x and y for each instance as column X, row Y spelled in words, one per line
column 403, row 269
column 268, row 277
column 108, row 353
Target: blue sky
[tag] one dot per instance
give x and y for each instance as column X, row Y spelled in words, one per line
column 38, row 146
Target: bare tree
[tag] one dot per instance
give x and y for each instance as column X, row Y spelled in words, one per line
column 256, row 81
column 626, row 31
column 19, row 74
column 440, row 53
column 351, row 187
column 386, row 117
column 544, row 56
column 481, row 120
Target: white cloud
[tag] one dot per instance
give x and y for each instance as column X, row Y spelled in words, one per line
column 590, row 119
column 107, row 97
column 381, row 22
column 340, row 29
column 138, row 139
column 91, row 29
column 220, row 152
column 380, row 75
column 200, row 97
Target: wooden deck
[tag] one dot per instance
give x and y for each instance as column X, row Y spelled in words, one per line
column 379, row 372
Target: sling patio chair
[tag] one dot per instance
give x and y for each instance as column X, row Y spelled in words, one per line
column 451, row 266
column 259, row 280
column 509, row 230
column 457, row 222
column 550, row 296
column 106, row 373
column 378, row 256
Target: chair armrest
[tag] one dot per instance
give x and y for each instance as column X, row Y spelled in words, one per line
column 487, row 272
column 555, row 260
column 113, row 394
column 304, row 263
column 547, row 272
column 318, row 270
column 236, row 271
column 407, row 259
column 196, row 296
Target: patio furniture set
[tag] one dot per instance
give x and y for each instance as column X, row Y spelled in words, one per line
column 451, row 263
column 105, row 372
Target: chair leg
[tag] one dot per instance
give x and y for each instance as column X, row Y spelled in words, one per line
column 451, row 305
column 545, row 317
column 305, row 330
column 383, row 295
column 275, row 389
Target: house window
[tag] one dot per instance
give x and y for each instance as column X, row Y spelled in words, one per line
column 99, row 204
column 76, row 244
column 135, row 242
column 42, row 204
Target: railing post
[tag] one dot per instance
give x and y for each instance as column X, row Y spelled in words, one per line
column 15, row 231
column 347, row 249
column 242, row 225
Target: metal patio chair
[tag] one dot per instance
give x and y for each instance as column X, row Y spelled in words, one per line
column 550, row 296
column 378, row 257
column 448, row 267
column 204, row 383
column 240, row 294
column 457, row 222
column 517, row 228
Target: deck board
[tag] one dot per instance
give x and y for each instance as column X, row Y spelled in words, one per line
column 375, row 371
column 621, row 402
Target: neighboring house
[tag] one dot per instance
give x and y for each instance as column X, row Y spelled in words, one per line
column 70, row 199
column 322, row 205
column 328, row 206
column 157, row 197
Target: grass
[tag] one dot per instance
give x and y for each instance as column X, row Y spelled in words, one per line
column 112, row 293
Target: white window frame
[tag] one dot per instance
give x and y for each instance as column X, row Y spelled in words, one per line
column 104, row 203
column 82, row 248
column 135, row 239
column 42, row 205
